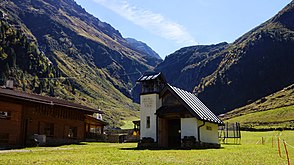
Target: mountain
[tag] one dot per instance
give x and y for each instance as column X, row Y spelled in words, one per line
column 256, row 65
column 186, row 67
column 282, row 98
column 142, row 47
column 228, row 76
column 273, row 111
column 90, row 62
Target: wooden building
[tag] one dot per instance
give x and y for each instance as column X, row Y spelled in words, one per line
column 26, row 119
column 172, row 117
column 94, row 127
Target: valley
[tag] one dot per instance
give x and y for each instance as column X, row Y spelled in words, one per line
column 57, row 48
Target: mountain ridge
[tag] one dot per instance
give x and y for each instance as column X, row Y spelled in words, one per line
column 255, row 65
column 142, row 47
column 268, row 51
column 94, row 64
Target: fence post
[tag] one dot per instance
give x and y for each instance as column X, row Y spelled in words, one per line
column 286, row 152
column 279, row 149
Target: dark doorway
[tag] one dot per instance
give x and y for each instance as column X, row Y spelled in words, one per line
column 174, row 134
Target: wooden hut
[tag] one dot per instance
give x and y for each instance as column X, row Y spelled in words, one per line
column 28, row 119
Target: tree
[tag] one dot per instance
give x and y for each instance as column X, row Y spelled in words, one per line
column 51, row 91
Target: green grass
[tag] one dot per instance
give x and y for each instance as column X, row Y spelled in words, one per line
column 249, row 152
column 273, row 111
column 282, row 98
column 128, row 123
column 279, row 117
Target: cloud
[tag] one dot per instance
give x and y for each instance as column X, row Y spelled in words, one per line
column 153, row 22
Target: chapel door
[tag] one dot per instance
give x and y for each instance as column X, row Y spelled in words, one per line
column 174, row 133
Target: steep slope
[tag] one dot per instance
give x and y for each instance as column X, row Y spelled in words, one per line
column 142, row 47
column 255, row 65
column 22, row 61
column 273, row 111
column 93, row 62
column 185, row 67
column 64, row 26
column 282, row 98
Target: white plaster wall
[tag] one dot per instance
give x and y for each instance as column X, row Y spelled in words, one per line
column 209, row 136
column 189, row 127
column 149, row 104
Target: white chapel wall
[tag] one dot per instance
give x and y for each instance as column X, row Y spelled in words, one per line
column 209, row 132
column 149, row 104
column 189, row 127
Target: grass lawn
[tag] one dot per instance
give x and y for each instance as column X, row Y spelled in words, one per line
column 279, row 117
column 249, row 152
column 128, row 123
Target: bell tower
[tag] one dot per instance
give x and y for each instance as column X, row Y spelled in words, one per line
column 152, row 84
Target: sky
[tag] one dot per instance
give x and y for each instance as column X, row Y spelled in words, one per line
column 168, row 25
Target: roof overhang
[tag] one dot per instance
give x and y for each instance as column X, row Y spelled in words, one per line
column 207, row 116
column 34, row 98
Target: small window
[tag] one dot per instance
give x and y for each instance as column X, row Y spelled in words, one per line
column 208, row 128
column 148, row 122
column 96, row 130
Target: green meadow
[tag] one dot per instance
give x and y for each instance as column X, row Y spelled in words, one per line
column 250, row 151
column 274, row 118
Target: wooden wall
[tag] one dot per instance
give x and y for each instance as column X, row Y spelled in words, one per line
column 10, row 126
column 59, row 124
column 56, row 123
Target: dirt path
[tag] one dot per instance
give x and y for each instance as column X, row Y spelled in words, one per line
column 10, row 151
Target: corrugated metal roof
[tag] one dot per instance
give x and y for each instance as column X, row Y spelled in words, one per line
column 43, row 100
column 195, row 105
column 147, row 77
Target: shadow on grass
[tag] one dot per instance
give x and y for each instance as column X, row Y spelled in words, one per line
column 43, row 146
column 166, row 149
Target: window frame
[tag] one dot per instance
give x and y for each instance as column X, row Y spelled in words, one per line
column 148, row 122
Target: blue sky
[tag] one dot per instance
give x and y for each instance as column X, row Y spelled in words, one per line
column 168, row 25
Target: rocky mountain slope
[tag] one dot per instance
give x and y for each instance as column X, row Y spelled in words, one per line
column 56, row 48
column 227, row 76
column 257, row 64
column 186, row 67
column 93, row 64
column 142, row 47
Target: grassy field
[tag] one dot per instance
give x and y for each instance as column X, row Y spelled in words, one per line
column 251, row 151
column 274, row 118
column 273, row 111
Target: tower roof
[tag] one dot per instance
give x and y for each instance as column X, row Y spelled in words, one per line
column 151, row 76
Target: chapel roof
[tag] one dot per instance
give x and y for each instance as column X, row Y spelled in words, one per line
column 194, row 105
